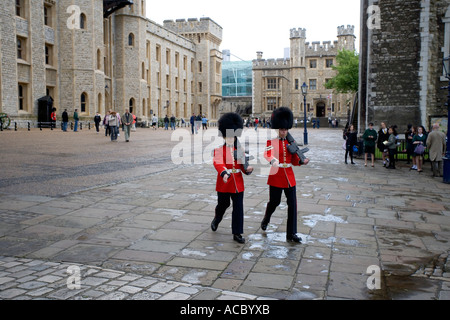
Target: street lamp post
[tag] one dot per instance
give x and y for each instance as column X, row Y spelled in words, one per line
column 305, row 92
column 446, row 63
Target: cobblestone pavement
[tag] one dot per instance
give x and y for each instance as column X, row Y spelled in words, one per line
column 132, row 225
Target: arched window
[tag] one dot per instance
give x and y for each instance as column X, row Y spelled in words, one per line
column 131, row 40
column 82, row 21
column 99, row 59
column 131, row 109
column 84, row 102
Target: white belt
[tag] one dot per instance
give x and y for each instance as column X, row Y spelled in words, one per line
column 285, row 165
column 230, row 171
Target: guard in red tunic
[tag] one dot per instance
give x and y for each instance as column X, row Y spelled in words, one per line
column 230, row 163
column 283, row 158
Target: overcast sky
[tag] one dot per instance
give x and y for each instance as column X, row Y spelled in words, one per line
column 264, row 25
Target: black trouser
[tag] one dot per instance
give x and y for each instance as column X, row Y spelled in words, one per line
column 347, row 151
column 392, row 157
column 237, row 217
column 274, row 202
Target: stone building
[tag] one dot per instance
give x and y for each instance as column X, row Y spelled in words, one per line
column 403, row 44
column 96, row 55
column 277, row 82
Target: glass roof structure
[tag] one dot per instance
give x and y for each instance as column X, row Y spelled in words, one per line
column 237, row 78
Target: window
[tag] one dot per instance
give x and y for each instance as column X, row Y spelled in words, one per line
column 272, row 83
column 48, row 15
column 177, row 57
column 313, row 84
column 185, row 63
column 131, row 40
column 158, row 53
column 21, row 95
column 168, row 57
column 329, row 63
column 21, row 53
column 200, row 87
column 296, row 84
column 313, row 63
column 271, row 104
column 200, row 67
column 82, row 21
column 167, row 81
column 143, row 71
column 99, row 59
column 83, row 100
column 49, row 54
column 20, row 8
column 218, row 68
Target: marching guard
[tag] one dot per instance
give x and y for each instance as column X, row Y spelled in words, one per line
column 230, row 163
column 283, row 154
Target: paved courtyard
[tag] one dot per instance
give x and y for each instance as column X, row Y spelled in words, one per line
column 138, row 227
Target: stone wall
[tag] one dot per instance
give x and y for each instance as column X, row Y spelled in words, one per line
column 401, row 63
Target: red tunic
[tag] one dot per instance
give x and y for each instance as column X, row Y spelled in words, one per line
column 282, row 177
column 224, row 161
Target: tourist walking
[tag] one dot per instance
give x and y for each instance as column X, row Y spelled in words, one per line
column 351, row 139
column 75, row 119
column 419, row 142
column 370, row 138
column 65, row 120
column 154, row 122
column 127, row 121
column 436, row 148
column 113, row 123
column 97, row 120
column 166, row 122
column 383, row 135
column 172, row 122
column 391, row 144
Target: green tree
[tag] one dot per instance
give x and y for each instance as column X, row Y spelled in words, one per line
column 347, row 78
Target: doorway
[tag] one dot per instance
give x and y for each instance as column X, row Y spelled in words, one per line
column 320, row 110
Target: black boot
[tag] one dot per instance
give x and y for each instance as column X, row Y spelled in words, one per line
column 264, row 223
column 238, row 238
column 293, row 238
column 215, row 224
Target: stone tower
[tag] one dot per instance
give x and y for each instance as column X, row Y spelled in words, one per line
column 346, row 38
column 207, row 37
column 81, row 75
column 298, row 65
column 130, row 63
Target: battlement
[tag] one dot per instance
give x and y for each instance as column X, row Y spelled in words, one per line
column 317, row 47
column 272, row 63
column 346, row 31
column 298, row 33
column 194, row 25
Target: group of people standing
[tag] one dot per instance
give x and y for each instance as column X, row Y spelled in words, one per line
column 113, row 121
column 230, row 163
column 387, row 141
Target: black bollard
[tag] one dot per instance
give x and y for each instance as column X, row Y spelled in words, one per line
column 29, row 126
column 81, row 126
column 40, row 126
column 15, row 126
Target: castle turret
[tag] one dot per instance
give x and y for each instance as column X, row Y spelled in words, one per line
column 346, row 38
column 298, row 38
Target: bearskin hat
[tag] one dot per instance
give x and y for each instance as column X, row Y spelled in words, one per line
column 230, row 121
column 282, row 118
